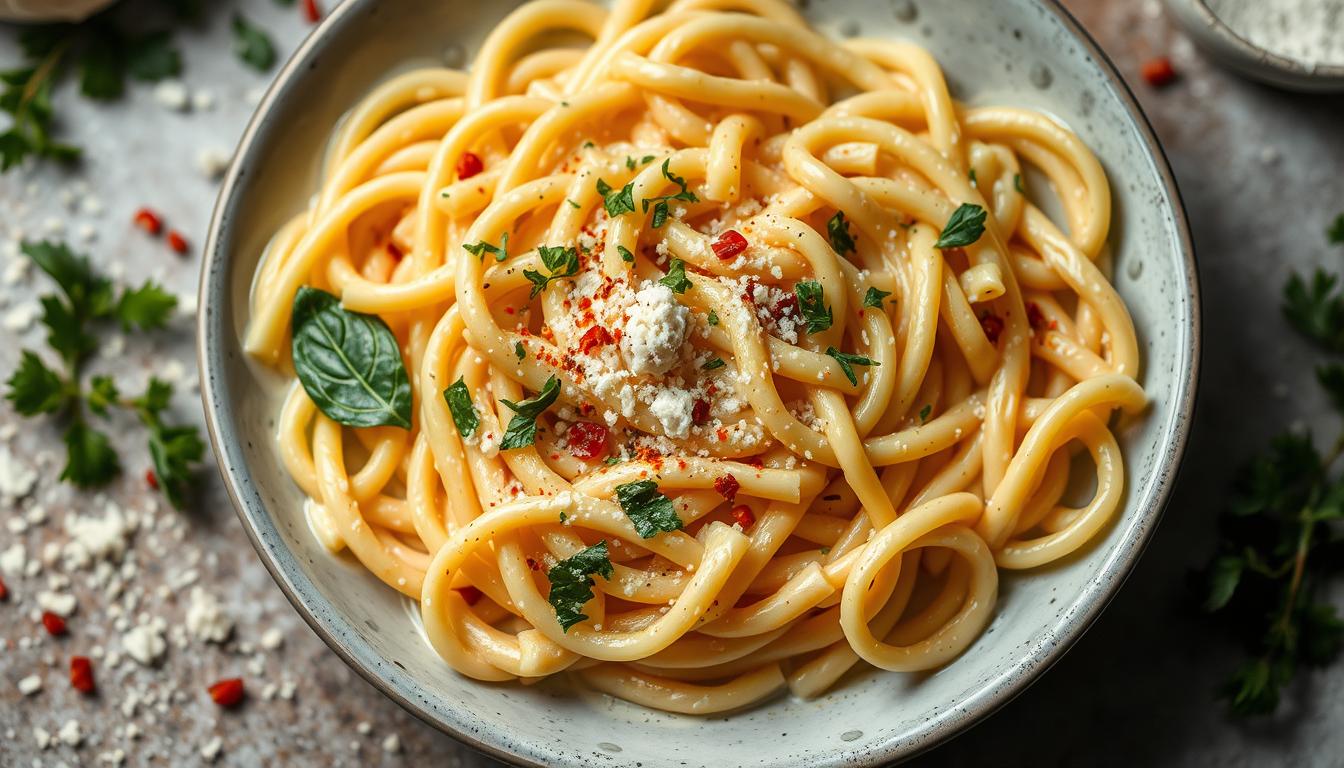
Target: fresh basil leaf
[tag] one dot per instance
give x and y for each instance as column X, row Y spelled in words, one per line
column 459, row 405
column 812, row 303
column 964, row 227
column 522, row 429
column 649, row 510
column 563, row 262
column 349, row 363
column 572, row 582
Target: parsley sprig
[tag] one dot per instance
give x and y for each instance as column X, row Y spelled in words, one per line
column 572, row 582
column 561, row 261
column 1280, row 537
column 88, row 300
column 646, row 506
column 660, row 203
column 102, row 53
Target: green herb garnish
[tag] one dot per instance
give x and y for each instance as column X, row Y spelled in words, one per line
column 924, row 413
column 811, row 302
column 660, row 203
column 519, row 351
column 572, row 582
column 847, row 360
column 647, row 508
column 460, row 406
column 676, row 277
column 626, row 255
column 713, row 364
column 252, row 44
column 713, row 318
column 964, row 227
column 841, row 241
column 873, row 298
column 479, row 249
column 617, row 201
column 522, row 429
column 562, row 262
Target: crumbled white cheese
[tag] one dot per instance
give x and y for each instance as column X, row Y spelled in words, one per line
column 672, row 407
column 30, row 685
column 42, row 738
column 171, row 94
column 272, row 639
column 145, row 643
column 210, row 750
column 71, row 734
column 213, row 162
column 95, row 538
column 654, row 330
column 13, row 559
column 60, row 603
column 206, row 618
column 392, row 744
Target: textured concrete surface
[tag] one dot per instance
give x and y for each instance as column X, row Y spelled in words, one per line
column 1259, row 172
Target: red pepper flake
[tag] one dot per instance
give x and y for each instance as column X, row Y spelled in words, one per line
column 587, row 440
column 742, row 514
column 394, row 251
column 1158, row 72
column 81, row 674
column 177, row 242
column 4, row 591
column 151, row 479
column 1035, row 316
column 470, row 594
column 700, row 411
column 55, row 624
column 726, row 487
column 729, row 245
column 148, row 221
column 787, row 306
column 533, row 564
column 468, row 165
column 755, row 461
column 594, row 337
column 228, row 692
column 311, row 11
column 992, row 325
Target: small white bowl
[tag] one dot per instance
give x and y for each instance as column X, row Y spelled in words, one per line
column 1026, row 52
column 1239, row 53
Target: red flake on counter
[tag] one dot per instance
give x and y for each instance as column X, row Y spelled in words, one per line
column 177, row 242
column 151, row 479
column 468, row 165
column 228, row 692
column 992, row 325
column 742, row 514
column 727, row 486
column 470, row 594
column 729, row 245
column 587, row 440
column 1158, row 72
column 148, row 221
column 54, row 624
column 81, row 674
column 311, row 11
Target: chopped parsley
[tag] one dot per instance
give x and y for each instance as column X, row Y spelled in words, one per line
column 617, row 201
column 713, row 318
column 676, row 277
column 873, row 298
column 647, row 508
column 572, row 582
column 459, row 405
column 1017, row 184
column 964, row 227
column 847, row 360
column 626, row 255
column 660, row 207
column 841, row 241
column 561, row 261
column 519, row 351
column 974, row 181
column 612, row 460
column 1335, row 233
column 924, row 413
column 713, row 364
column 573, row 204
column 522, row 429
column 811, row 302
column 501, row 251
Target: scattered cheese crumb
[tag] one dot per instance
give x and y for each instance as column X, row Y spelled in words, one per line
column 392, row 744
column 206, row 618
column 30, row 685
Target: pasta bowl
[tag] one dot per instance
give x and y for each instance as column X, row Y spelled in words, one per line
column 1018, row 52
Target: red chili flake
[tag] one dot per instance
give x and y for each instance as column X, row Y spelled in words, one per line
column 742, row 514
column 148, row 221
column 1159, row 72
column 4, row 591
column 587, row 440
column 755, row 461
column 55, row 624
column 594, row 337
column 81, row 674
column 468, row 165
column 787, row 306
column 151, row 479
column 700, row 411
column 311, row 12
column 1035, row 316
column 394, row 251
column 533, row 564
column 729, row 244
column 177, row 242
column 228, row 692
column 470, row 594
column 992, row 325
column 726, row 486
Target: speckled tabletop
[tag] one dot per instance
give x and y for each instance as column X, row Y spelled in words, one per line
column 1259, row 170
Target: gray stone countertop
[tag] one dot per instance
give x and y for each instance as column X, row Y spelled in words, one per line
column 1260, row 173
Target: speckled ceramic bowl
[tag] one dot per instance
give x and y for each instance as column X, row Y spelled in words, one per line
column 1026, row 52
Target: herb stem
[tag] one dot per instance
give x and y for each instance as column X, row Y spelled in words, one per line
column 44, row 70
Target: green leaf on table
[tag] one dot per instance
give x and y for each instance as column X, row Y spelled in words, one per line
column 1335, row 232
column 153, row 57
column 252, row 44
column 146, row 307
column 90, row 294
column 174, row 450
column 102, row 73
column 34, row 388
column 89, row 458
column 349, row 363
column 1316, row 309
column 102, row 394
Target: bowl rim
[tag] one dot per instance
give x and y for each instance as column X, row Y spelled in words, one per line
column 993, row 695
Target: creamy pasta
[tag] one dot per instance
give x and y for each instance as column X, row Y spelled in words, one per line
column 695, row 354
